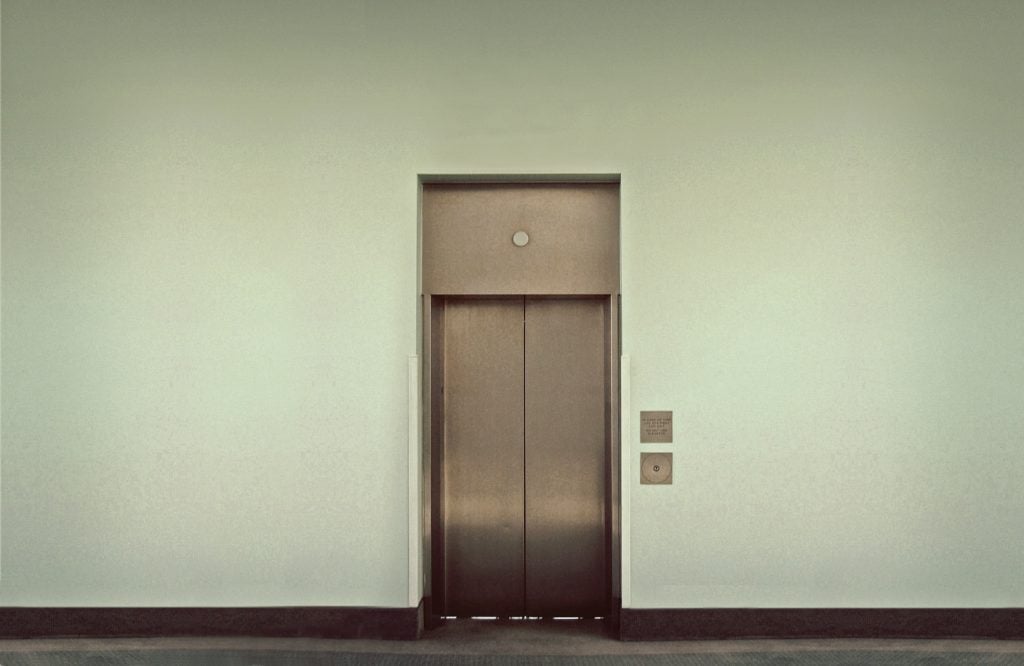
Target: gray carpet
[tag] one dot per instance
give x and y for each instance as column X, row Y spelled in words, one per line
column 321, row 658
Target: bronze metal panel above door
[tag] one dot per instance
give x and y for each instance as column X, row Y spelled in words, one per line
column 520, row 238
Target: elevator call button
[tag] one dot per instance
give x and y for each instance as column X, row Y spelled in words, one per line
column 656, row 427
column 656, row 468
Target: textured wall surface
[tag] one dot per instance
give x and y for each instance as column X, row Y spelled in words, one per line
column 210, row 262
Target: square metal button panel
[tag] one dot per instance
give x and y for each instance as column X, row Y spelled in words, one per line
column 656, row 468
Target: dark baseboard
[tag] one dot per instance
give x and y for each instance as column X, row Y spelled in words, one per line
column 661, row 624
column 295, row 621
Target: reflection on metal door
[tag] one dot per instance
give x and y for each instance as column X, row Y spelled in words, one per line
column 483, row 457
column 522, row 399
column 566, row 426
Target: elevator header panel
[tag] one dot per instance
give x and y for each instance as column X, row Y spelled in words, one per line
column 520, row 238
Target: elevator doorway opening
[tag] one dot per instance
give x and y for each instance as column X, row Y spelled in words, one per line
column 520, row 400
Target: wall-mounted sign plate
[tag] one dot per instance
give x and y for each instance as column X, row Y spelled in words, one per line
column 655, row 427
column 656, row 468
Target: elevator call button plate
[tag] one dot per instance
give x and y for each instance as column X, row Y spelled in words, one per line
column 656, row 468
column 655, row 427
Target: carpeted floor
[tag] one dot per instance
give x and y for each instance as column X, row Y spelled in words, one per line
column 469, row 643
column 256, row 658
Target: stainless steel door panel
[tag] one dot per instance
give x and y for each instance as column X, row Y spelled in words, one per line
column 483, row 511
column 566, row 467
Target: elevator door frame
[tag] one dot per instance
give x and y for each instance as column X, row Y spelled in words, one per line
column 431, row 355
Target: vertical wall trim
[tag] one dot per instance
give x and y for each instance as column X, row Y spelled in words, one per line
column 415, row 550
column 626, row 454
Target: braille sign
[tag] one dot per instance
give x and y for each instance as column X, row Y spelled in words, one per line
column 655, row 427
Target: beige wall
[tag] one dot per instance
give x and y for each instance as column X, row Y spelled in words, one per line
column 209, row 286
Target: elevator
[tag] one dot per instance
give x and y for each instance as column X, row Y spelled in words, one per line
column 520, row 368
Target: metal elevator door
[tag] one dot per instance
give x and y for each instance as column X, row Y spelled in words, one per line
column 523, row 461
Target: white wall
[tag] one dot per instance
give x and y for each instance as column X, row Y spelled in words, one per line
column 209, row 277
